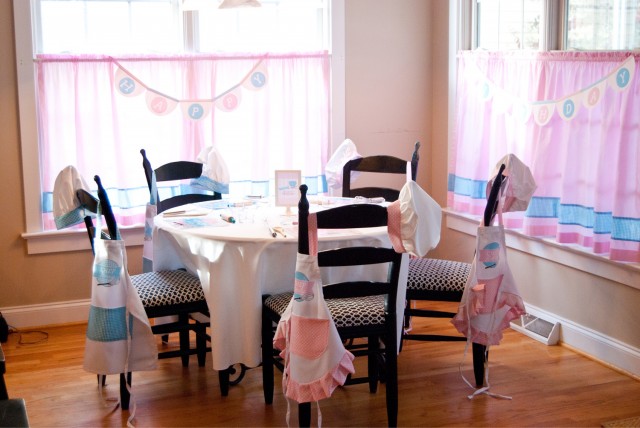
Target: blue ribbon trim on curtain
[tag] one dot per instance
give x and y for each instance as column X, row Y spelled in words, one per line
column 476, row 189
column 620, row 228
column 626, row 229
column 543, row 207
column 139, row 196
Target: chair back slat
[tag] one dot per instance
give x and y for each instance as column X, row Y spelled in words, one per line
column 175, row 171
column 352, row 217
column 383, row 164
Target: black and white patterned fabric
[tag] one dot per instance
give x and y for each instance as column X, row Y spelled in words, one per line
column 165, row 288
column 350, row 312
column 437, row 275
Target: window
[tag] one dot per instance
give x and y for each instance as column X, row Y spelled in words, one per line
column 557, row 24
column 603, row 24
column 506, row 25
column 174, row 26
column 107, row 27
column 572, row 116
column 153, row 41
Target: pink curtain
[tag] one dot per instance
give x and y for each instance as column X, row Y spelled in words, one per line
column 574, row 119
column 262, row 112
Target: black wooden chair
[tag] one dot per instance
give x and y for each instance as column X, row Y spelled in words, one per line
column 175, row 171
column 180, row 171
column 445, row 280
column 360, row 309
column 13, row 411
column 163, row 294
column 429, row 279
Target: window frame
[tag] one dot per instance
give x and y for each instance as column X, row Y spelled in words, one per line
column 40, row 241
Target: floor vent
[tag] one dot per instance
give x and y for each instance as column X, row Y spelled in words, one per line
column 537, row 328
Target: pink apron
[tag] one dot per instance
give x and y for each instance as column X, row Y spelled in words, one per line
column 315, row 360
column 490, row 300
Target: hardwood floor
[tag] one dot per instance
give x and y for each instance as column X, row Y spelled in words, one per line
column 550, row 386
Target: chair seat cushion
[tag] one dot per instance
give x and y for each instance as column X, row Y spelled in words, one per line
column 437, row 275
column 349, row 312
column 164, row 288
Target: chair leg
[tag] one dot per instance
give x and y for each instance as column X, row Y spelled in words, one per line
column 480, row 357
column 223, row 379
column 125, row 395
column 372, row 363
column 391, row 357
column 304, row 415
column 267, row 358
column 201, row 343
column 185, row 346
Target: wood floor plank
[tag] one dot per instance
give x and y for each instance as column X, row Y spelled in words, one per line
column 549, row 386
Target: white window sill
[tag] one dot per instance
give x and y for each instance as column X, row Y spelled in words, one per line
column 57, row 241
column 568, row 255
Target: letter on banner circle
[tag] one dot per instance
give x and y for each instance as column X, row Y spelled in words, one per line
column 593, row 95
column 542, row 113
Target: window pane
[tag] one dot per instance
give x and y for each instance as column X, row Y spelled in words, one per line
column 276, row 26
column 109, row 27
column 509, row 24
column 603, row 24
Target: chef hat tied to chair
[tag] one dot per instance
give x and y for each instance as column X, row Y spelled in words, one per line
column 215, row 174
column 67, row 209
column 414, row 221
column 519, row 186
column 345, row 152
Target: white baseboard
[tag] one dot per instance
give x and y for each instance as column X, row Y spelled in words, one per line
column 25, row 317
column 597, row 345
column 601, row 347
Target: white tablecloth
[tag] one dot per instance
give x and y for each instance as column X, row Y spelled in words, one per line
column 238, row 263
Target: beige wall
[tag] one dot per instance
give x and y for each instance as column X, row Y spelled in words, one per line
column 388, row 84
column 397, row 80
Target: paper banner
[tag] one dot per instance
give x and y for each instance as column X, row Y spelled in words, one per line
column 521, row 111
column 196, row 110
column 623, row 75
column 162, row 104
column 486, row 90
column 593, row 95
column 128, row 85
column 229, row 101
column 542, row 112
column 567, row 108
column 257, row 78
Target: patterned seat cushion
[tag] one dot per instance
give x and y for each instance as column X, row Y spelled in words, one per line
column 165, row 288
column 350, row 312
column 437, row 275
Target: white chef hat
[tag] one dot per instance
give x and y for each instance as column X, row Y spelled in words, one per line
column 67, row 209
column 215, row 174
column 333, row 170
column 519, row 186
column 414, row 221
